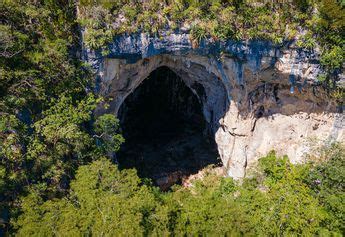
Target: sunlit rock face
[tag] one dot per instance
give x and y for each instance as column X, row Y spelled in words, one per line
column 255, row 97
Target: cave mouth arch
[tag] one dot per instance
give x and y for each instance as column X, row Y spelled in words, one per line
column 165, row 130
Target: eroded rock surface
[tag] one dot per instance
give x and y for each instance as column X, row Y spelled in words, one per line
column 255, row 97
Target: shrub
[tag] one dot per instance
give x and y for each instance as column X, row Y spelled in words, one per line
column 198, row 33
column 333, row 59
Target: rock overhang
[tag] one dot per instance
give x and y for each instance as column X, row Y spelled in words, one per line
column 239, row 79
column 138, row 46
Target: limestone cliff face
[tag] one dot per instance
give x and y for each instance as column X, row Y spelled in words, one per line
column 256, row 97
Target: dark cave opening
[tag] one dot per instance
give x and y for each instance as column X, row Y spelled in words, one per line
column 164, row 128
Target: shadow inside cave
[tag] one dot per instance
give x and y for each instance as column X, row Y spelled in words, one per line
column 165, row 130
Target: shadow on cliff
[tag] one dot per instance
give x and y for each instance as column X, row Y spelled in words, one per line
column 167, row 136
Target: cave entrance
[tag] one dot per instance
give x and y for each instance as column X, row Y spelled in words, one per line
column 164, row 128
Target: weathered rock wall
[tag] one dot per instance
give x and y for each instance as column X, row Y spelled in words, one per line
column 256, row 97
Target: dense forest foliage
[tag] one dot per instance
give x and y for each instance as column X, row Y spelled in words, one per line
column 46, row 103
column 279, row 199
column 56, row 177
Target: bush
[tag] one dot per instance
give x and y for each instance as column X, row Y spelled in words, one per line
column 198, row 33
column 333, row 59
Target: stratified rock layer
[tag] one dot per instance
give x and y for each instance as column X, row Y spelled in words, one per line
column 255, row 97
